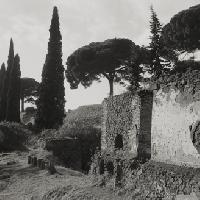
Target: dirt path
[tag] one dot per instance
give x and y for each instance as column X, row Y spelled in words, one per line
column 23, row 182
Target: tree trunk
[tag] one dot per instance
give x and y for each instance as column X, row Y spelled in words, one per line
column 22, row 104
column 111, row 86
column 110, row 76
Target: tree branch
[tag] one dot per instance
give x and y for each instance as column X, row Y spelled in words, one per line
column 106, row 75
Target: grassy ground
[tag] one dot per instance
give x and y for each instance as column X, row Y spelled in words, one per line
column 23, row 182
column 20, row 181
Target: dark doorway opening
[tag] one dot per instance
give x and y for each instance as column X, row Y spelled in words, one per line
column 110, row 167
column 119, row 142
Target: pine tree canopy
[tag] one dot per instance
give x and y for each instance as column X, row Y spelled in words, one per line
column 183, row 31
column 51, row 101
column 29, row 91
column 91, row 62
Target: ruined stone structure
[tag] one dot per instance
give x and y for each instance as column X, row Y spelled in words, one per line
column 127, row 123
column 163, row 124
column 175, row 123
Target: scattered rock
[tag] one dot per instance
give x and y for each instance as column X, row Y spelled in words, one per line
column 51, row 168
column 192, row 196
column 11, row 162
column 4, row 176
column 3, row 185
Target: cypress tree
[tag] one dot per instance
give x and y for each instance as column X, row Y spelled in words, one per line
column 13, row 96
column 2, row 76
column 4, row 93
column 51, row 101
column 2, row 80
column 155, row 45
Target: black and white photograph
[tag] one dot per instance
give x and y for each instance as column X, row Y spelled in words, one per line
column 100, row 100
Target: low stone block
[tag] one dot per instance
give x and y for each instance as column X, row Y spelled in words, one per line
column 29, row 160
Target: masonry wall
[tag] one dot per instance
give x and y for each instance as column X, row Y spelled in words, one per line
column 121, row 115
column 175, row 113
column 144, row 147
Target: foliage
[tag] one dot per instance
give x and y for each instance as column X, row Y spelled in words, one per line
column 13, row 136
column 2, row 80
column 156, row 45
column 83, row 124
column 90, row 140
column 161, row 181
column 135, row 65
column 89, row 63
column 2, row 76
column 29, row 91
column 4, row 93
column 182, row 32
column 13, row 101
column 84, row 116
column 182, row 66
column 51, row 101
column 30, row 110
column 49, row 133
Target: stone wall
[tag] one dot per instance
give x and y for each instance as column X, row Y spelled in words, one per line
column 121, row 116
column 129, row 117
column 163, row 124
column 175, row 113
column 144, row 147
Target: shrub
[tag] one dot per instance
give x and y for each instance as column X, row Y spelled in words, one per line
column 30, row 110
column 49, row 133
column 83, row 125
column 13, row 136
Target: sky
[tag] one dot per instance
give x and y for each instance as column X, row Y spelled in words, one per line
column 81, row 22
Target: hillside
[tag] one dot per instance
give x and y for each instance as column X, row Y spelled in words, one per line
column 89, row 115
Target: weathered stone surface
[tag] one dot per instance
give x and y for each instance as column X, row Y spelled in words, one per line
column 29, row 160
column 121, row 117
column 34, row 162
column 4, row 176
column 192, row 196
column 127, row 117
column 172, row 116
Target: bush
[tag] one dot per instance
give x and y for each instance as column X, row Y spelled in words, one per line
column 82, row 125
column 49, row 133
column 30, row 110
column 84, row 116
column 89, row 139
column 13, row 136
